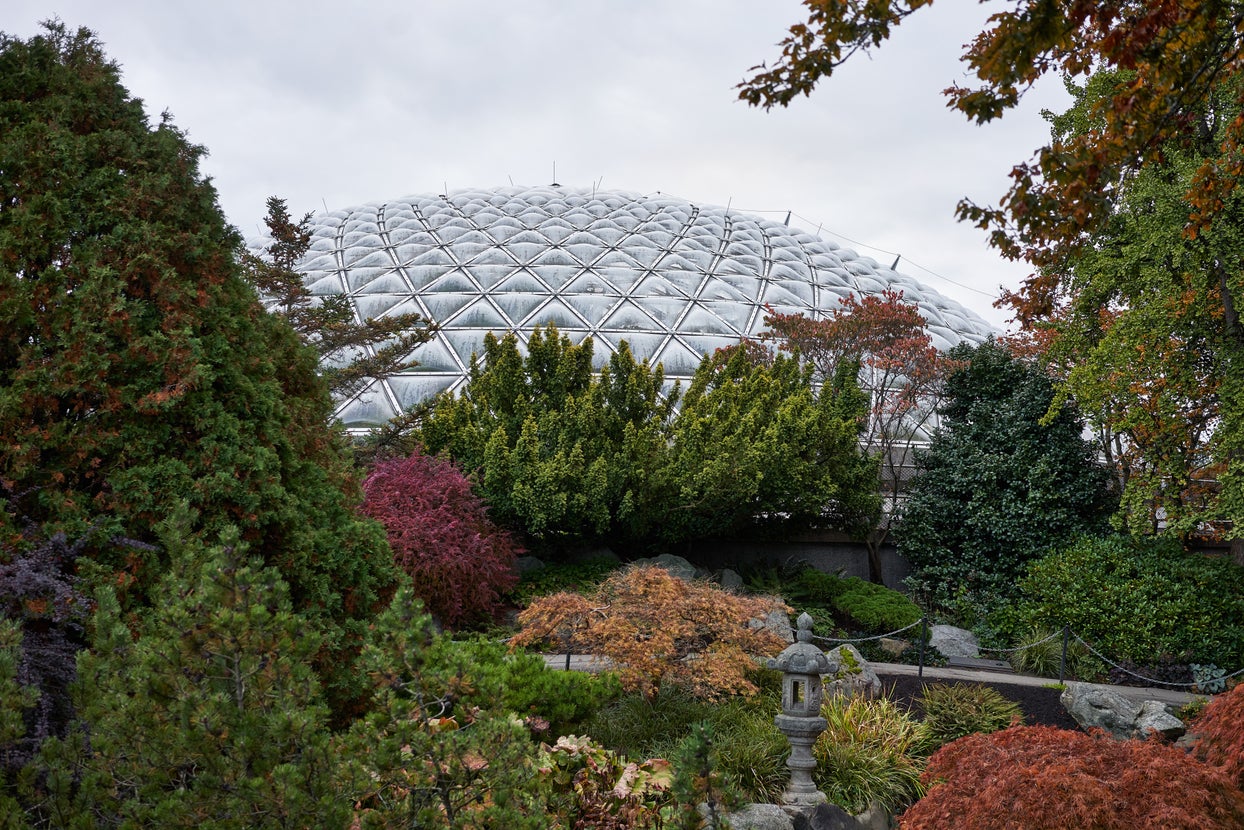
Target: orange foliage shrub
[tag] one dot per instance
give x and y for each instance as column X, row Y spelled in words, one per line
column 1041, row 778
column 656, row 627
column 1220, row 734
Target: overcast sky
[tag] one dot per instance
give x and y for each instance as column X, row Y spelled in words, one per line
column 331, row 105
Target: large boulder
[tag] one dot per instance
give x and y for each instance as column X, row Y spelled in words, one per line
column 676, row 565
column 730, row 580
column 773, row 817
column 777, row 621
column 761, row 817
column 854, row 675
column 825, row 816
column 954, row 642
column 1095, row 707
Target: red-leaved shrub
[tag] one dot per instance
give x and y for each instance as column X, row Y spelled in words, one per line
column 459, row 561
column 1220, row 734
column 1041, row 778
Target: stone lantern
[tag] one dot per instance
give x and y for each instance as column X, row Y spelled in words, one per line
column 802, row 665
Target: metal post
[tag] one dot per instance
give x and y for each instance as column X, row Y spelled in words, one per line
column 924, row 635
column 567, row 654
column 1062, row 658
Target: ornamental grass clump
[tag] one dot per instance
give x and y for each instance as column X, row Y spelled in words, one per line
column 954, row 710
column 870, row 754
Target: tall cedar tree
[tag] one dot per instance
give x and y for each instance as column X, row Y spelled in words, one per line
column 757, row 449
column 565, row 455
column 900, row 371
column 460, row 562
column 353, row 353
column 138, row 369
column 998, row 486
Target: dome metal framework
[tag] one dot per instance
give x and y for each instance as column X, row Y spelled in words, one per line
column 674, row 279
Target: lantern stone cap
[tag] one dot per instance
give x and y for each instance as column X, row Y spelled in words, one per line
column 802, row 657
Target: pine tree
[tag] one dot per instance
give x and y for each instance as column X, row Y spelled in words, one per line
column 211, row 715
column 353, row 352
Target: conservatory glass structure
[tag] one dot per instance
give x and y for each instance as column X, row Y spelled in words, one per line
column 673, row 278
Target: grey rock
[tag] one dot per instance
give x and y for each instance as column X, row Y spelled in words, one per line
column 1155, row 717
column 761, row 817
column 825, row 817
column 894, row 646
column 954, row 642
column 854, row 677
column 875, row 818
column 730, row 580
column 524, row 564
column 1094, row 707
column 676, row 565
column 598, row 553
column 778, row 622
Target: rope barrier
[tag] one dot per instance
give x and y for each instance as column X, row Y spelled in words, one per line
column 1041, row 642
column 1110, row 662
column 866, row 639
column 1053, row 636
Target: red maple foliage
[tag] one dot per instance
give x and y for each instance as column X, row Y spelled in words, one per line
column 1041, row 778
column 1220, row 734
column 459, row 561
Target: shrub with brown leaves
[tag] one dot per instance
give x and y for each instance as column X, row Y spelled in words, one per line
column 655, row 627
column 1220, row 734
column 1041, row 778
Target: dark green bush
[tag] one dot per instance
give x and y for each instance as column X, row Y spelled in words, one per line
column 874, row 607
column 569, row 576
column 954, row 710
column 1139, row 599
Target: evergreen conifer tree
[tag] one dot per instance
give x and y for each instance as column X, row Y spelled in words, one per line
column 138, row 369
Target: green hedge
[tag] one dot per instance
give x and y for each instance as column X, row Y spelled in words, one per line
column 1141, row 599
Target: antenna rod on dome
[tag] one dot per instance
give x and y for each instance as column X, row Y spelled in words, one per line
column 555, row 174
column 787, row 222
column 511, row 178
column 894, row 267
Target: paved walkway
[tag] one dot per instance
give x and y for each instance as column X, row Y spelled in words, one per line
column 586, row 662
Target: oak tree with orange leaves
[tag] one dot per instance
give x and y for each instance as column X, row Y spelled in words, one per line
column 657, row 628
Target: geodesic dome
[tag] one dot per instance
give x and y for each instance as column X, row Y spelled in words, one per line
column 674, row 279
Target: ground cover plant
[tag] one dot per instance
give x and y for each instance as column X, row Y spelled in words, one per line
column 843, row 607
column 749, row 751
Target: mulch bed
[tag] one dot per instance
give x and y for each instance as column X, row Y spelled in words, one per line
column 1041, row 706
